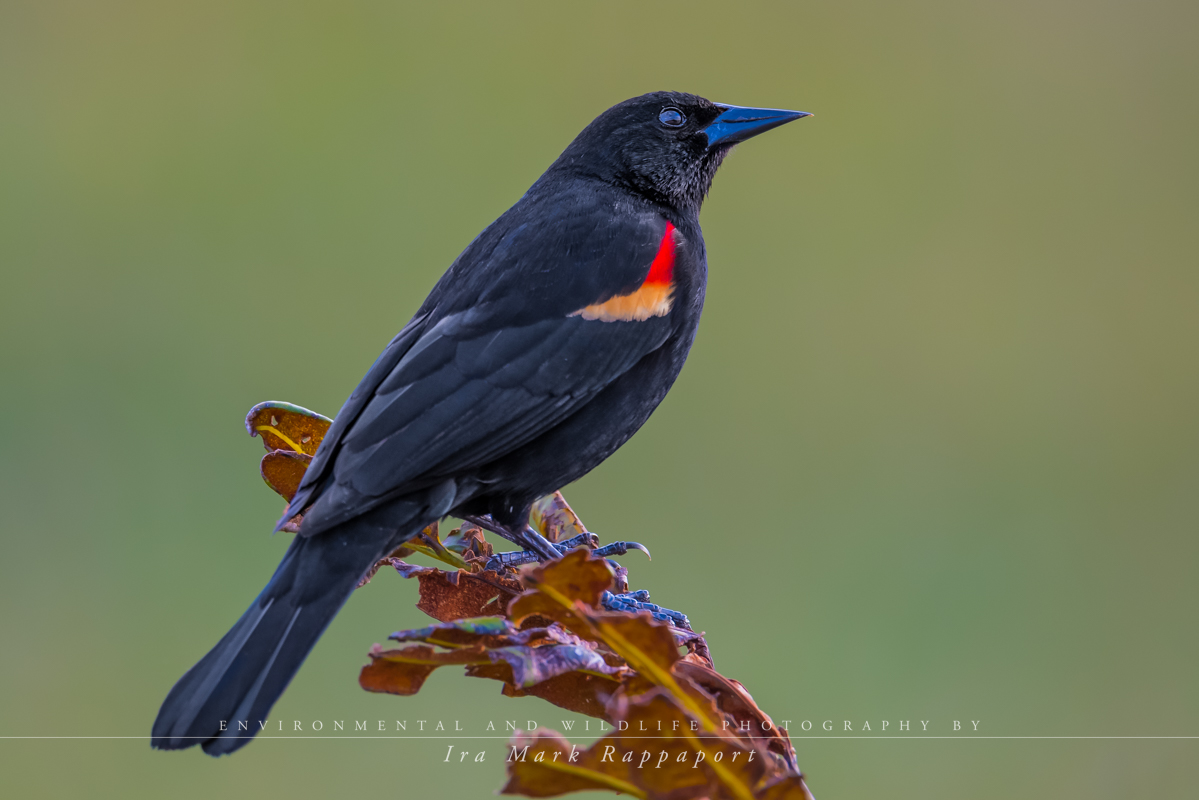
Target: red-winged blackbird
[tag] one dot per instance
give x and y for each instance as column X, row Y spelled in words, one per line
column 543, row 348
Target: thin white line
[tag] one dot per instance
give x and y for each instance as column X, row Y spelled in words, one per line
column 626, row 737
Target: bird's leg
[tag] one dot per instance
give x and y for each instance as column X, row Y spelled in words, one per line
column 518, row 558
column 533, row 541
column 628, row 602
column 639, row 601
column 499, row 561
column 537, row 547
column 511, row 560
column 528, row 539
column 488, row 524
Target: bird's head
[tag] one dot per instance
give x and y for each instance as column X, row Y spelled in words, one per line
column 666, row 146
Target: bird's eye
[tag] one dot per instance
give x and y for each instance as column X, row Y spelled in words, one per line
column 672, row 118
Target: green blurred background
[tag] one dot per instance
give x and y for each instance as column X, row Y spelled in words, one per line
column 935, row 454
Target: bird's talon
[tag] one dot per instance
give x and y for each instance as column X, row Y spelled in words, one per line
column 619, row 549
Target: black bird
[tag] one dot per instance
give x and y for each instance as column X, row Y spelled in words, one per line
column 542, row 349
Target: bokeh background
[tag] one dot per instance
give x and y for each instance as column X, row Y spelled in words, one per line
column 935, row 454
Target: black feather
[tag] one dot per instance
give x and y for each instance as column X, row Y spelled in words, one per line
column 495, row 393
column 235, row 685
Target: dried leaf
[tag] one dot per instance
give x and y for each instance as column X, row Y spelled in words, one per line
column 283, row 470
column 545, row 768
column 473, row 596
column 490, row 632
column 659, row 716
column 474, row 631
column 447, row 596
column 428, row 543
column 558, row 645
column 530, row 656
column 470, row 543
column 562, row 588
column 788, row 787
column 284, row 426
column 640, row 636
column 532, row 665
column 404, row 671
column 576, row 576
column 574, row 691
column 750, row 722
column 568, row 590
column 656, row 753
column 555, row 519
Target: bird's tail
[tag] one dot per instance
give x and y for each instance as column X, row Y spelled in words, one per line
column 223, row 701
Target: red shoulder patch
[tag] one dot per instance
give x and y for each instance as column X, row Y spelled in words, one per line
column 653, row 298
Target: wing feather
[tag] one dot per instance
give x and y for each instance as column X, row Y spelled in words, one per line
column 492, row 360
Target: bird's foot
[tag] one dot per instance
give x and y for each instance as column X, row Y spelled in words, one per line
column 527, row 539
column 632, row 602
column 518, row 558
column 537, row 548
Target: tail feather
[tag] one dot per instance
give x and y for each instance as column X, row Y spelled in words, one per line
column 223, row 701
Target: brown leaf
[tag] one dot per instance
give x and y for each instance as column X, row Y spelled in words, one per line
column 652, row 640
column 447, row 596
column 535, row 605
column 649, row 647
column 788, row 787
column 490, row 632
column 737, row 704
column 471, row 597
column 573, row 691
column 487, row 632
column 470, row 542
column 544, row 768
column 714, row 764
column 404, row 671
column 657, row 752
column 557, row 586
column 557, row 644
column 283, row 470
column 658, row 716
column 583, row 692
column 284, row 426
column 576, row 576
column 568, row 590
column 555, row 519
column 533, row 665
column 389, row 677
column 527, row 657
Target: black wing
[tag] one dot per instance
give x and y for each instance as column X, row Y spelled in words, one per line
column 492, row 360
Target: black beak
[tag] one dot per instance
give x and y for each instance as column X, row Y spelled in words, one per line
column 738, row 123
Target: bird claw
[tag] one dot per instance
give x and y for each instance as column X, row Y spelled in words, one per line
column 632, row 602
column 518, row 558
column 537, row 548
column 620, row 548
